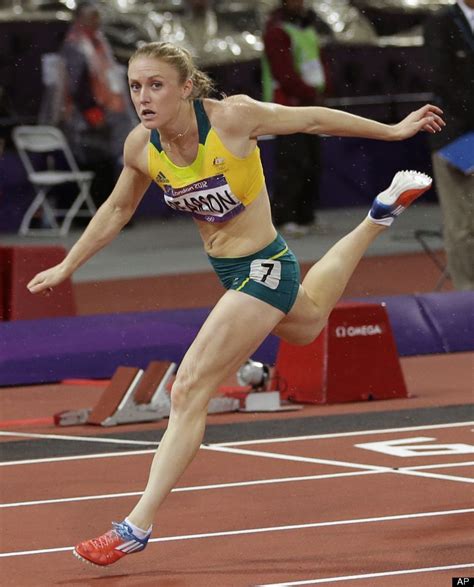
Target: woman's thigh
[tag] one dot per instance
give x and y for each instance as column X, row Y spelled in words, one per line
column 235, row 328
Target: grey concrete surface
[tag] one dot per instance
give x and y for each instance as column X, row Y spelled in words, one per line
column 159, row 247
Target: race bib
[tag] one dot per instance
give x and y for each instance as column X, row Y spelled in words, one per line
column 210, row 199
column 266, row 271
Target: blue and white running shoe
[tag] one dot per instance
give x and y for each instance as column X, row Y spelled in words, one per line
column 406, row 186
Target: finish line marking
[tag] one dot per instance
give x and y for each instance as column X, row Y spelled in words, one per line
column 264, row 530
column 369, row 575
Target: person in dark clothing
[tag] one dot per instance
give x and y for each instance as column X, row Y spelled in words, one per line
column 293, row 75
column 449, row 44
column 97, row 113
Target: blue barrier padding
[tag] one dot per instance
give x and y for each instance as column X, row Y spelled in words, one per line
column 413, row 334
column 452, row 315
column 48, row 350
column 92, row 347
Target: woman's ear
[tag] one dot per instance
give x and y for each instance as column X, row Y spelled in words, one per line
column 187, row 89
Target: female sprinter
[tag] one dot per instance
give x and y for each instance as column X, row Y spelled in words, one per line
column 204, row 155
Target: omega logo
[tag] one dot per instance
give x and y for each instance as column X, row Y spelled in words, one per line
column 365, row 330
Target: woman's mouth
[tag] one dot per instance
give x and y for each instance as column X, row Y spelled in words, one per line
column 147, row 114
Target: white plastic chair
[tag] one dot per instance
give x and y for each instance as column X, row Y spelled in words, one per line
column 49, row 140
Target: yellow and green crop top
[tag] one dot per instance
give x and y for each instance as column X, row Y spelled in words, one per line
column 217, row 185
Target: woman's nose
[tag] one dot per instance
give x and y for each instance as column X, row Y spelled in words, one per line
column 144, row 96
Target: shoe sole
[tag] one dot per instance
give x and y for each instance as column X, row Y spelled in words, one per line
column 87, row 561
column 408, row 195
column 406, row 198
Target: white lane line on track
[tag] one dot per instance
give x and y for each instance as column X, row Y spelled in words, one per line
column 267, row 529
column 100, row 455
column 345, row 434
column 441, row 476
column 190, row 488
column 236, row 484
column 439, row 466
column 284, row 457
column 229, row 485
column 400, row 471
column 369, row 575
column 98, row 439
column 412, row 471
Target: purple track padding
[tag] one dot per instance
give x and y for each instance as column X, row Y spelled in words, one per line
column 92, row 347
column 414, row 335
column 452, row 317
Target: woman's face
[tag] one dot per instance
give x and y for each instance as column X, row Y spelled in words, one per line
column 156, row 91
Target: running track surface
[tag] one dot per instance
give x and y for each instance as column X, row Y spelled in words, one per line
column 310, row 511
column 388, row 507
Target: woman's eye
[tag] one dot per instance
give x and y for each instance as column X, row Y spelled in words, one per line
column 157, row 85
column 134, row 87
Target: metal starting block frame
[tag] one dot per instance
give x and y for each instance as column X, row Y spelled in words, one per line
column 136, row 395
column 144, row 399
column 267, row 401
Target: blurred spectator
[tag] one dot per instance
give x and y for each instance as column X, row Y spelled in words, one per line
column 293, row 75
column 449, row 42
column 199, row 7
column 200, row 21
column 97, row 111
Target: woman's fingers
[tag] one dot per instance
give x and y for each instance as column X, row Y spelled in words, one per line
column 431, row 108
column 46, row 280
column 433, row 124
column 38, row 284
column 36, row 288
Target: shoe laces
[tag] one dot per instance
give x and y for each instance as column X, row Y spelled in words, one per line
column 119, row 530
column 106, row 539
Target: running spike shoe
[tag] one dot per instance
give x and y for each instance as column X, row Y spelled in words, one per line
column 406, row 186
column 111, row 546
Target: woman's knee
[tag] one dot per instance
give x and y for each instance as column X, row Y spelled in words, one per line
column 303, row 333
column 303, row 336
column 187, row 395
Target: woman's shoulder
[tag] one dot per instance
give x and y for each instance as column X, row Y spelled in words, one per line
column 230, row 113
column 136, row 145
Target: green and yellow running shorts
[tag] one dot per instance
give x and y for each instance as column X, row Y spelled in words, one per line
column 271, row 275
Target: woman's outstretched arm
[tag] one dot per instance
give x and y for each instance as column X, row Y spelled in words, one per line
column 107, row 222
column 259, row 118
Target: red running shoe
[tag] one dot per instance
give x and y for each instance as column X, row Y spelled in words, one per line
column 111, row 546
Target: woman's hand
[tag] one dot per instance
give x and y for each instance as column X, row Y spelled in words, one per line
column 427, row 118
column 46, row 280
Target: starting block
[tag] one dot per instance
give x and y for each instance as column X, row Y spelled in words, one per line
column 134, row 395
column 354, row 358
